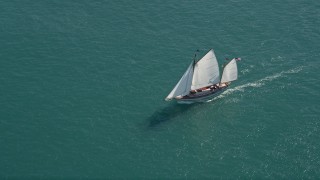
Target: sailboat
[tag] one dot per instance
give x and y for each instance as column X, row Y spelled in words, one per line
column 202, row 81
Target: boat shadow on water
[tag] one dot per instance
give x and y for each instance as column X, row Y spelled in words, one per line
column 167, row 113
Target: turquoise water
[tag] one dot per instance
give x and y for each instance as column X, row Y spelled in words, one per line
column 83, row 87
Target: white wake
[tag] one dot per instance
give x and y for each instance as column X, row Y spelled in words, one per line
column 258, row 83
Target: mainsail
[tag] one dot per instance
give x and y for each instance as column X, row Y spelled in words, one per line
column 206, row 71
column 184, row 85
column 230, row 72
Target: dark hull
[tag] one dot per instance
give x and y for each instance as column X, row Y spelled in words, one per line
column 203, row 97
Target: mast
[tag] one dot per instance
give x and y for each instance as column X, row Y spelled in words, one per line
column 183, row 87
column 194, row 58
column 206, row 71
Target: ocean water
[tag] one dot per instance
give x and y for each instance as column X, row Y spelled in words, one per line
column 83, row 85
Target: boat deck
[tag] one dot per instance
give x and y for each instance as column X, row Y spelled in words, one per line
column 204, row 92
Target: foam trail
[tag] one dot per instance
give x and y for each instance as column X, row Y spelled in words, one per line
column 257, row 83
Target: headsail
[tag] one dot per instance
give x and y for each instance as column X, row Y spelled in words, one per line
column 230, row 72
column 184, row 85
column 206, row 71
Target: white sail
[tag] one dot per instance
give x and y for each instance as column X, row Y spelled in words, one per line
column 230, row 72
column 206, row 71
column 183, row 87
